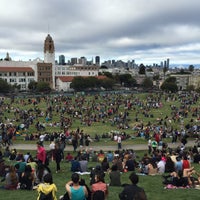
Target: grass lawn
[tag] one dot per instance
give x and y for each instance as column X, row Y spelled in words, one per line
column 152, row 184
column 106, row 125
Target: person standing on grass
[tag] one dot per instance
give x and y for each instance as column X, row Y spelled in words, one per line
column 52, row 148
column 74, row 142
column 57, row 156
column 149, row 146
column 133, row 191
column 119, row 142
column 41, row 153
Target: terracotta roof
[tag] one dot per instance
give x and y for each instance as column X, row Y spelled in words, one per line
column 16, row 69
column 66, row 78
column 70, row 78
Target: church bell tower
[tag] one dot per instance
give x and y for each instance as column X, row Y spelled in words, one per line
column 49, row 50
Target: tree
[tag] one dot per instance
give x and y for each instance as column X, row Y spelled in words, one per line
column 32, row 85
column 92, row 82
column 43, row 87
column 142, row 69
column 127, row 80
column 190, row 88
column 78, row 83
column 107, row 83
column 165, row 69
column 198, row 90
column 108, row 74
column 147, row 83
column 123, row 78
column 103, row 67
column 156, row 77
column 169, row 85
column 4, row 86
column 191, row 68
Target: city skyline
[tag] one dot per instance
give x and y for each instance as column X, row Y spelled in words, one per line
column 145, row 31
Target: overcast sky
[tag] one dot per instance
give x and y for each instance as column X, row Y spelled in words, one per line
column 147, row 31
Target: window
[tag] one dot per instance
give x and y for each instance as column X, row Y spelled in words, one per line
column 22, row 80
column 12, row 80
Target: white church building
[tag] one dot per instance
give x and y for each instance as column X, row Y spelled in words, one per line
column 23, row 72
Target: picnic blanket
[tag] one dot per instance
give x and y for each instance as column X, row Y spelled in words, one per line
column 170, row 186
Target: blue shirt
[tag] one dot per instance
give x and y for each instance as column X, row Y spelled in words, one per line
column 178, row 166
column 78, row 194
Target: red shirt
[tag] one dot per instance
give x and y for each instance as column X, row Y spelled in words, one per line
column 100, row 186
column 41, row 154
column 186, row 164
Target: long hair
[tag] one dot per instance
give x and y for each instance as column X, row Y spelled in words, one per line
column 28, row 173
column 13, row 175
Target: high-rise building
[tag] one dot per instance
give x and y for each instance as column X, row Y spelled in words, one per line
column 61, row 60
column 74, row 61
column 97, row 60
column 82, row 60
column 161, row 64
column 167, row 62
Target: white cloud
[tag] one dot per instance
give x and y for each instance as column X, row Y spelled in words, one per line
column 144, row 30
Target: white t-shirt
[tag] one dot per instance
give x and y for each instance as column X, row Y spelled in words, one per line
column 52, row 146
column 161, row 167
column 119, row 139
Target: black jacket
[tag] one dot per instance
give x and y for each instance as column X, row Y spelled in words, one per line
column 132, row 192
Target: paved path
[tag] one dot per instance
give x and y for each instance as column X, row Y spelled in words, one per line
column 97, row 147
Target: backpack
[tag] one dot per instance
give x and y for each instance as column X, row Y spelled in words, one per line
column 98, row 195
column 44, row 196
column 65, row 196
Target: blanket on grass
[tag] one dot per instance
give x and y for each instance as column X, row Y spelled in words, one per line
column 170, row 186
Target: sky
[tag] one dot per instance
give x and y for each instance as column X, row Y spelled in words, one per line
column 147, row 31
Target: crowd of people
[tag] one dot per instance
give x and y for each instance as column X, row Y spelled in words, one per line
column 28, row 172
column 114, row 109
column 32, row 172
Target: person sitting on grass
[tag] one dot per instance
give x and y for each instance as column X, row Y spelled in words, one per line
column 133, row 191
column 183, row 178
column 74, row 189
column 100, row 156
column 115, row 176
column 69, row 157
column 11, row 179
column 27, row 179
column 75, row 165
column 99, row 187
column 3, row 169
column 48, row 189
column 152, row 168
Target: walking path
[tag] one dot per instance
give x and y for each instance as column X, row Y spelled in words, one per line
column 98, row 147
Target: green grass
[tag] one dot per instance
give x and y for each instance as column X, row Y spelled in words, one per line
column 99, row 127
column 152, row 184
